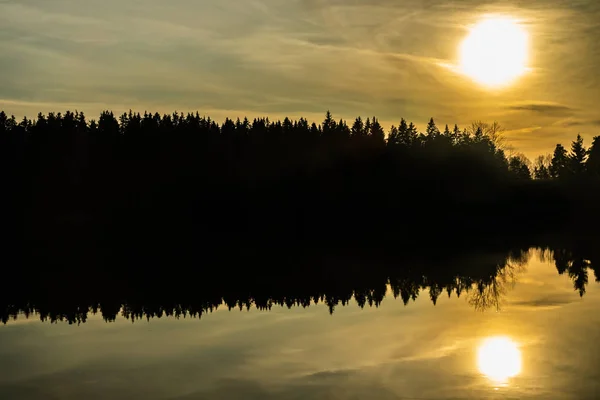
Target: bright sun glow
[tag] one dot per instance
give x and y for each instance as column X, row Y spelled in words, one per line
column 495, row 52
column 499, row 358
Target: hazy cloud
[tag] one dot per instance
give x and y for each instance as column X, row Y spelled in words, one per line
column 570, row 122
column 330, row 374
column 549, row 109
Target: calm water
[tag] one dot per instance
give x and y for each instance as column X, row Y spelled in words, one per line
column 542, row 342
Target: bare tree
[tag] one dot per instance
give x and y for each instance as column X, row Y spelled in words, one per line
column 541, row 167
column 494, row 131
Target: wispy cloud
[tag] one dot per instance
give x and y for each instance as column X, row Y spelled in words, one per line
column 543, row 108
column 575, row 122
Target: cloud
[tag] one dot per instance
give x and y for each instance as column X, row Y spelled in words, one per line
column 515, row 133
column 246, row 389
column 568, row 123
column 229, row 389
column 543, row 108
column 574, row 122
column 330, row 374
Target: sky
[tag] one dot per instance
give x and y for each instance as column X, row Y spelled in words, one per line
column 236, row 58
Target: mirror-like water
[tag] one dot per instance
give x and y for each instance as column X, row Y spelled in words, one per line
column 526, row 333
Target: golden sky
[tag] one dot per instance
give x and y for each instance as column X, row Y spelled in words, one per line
column 299, row 58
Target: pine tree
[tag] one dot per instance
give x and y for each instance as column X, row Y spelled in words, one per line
column 455, row 135
column 328, row 124
column 377, row 131
column 447, row 132
column 357, row 127
column 559, row 167
column 393, row 139
column 592, row 165
column 432, row 131
column 412, row 134
column 342, row 129
column 315, row 131
column 367, row 128
column 577, row 157
column 287, row 126
column 107, row 124
column 404, row 138
column 3, row 120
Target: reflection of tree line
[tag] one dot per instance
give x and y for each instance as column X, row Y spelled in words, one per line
column 483, row 278
column 576, row 262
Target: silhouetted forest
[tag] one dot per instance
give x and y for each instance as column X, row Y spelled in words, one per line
column 484, row 276
column 118, row 187
column 181, row 199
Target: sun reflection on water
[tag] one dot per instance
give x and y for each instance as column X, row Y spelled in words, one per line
column 499, row 359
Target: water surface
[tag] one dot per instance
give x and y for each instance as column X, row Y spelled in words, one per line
column 393, row 351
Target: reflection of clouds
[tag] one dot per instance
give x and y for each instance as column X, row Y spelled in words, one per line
column 387, row 353
column 543, row 288
column 551, row 301
column 431, row 352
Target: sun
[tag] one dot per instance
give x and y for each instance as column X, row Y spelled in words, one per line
column 499, row 359
column 496, row 52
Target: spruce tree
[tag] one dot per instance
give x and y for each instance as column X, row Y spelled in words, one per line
column 592, row 165
column 559, row 166
column 577, row 157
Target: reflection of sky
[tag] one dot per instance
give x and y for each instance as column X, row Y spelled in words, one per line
column 393, row 352
column 298, row 57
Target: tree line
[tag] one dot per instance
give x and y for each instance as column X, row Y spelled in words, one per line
column 148, row 186
column 285, row 141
